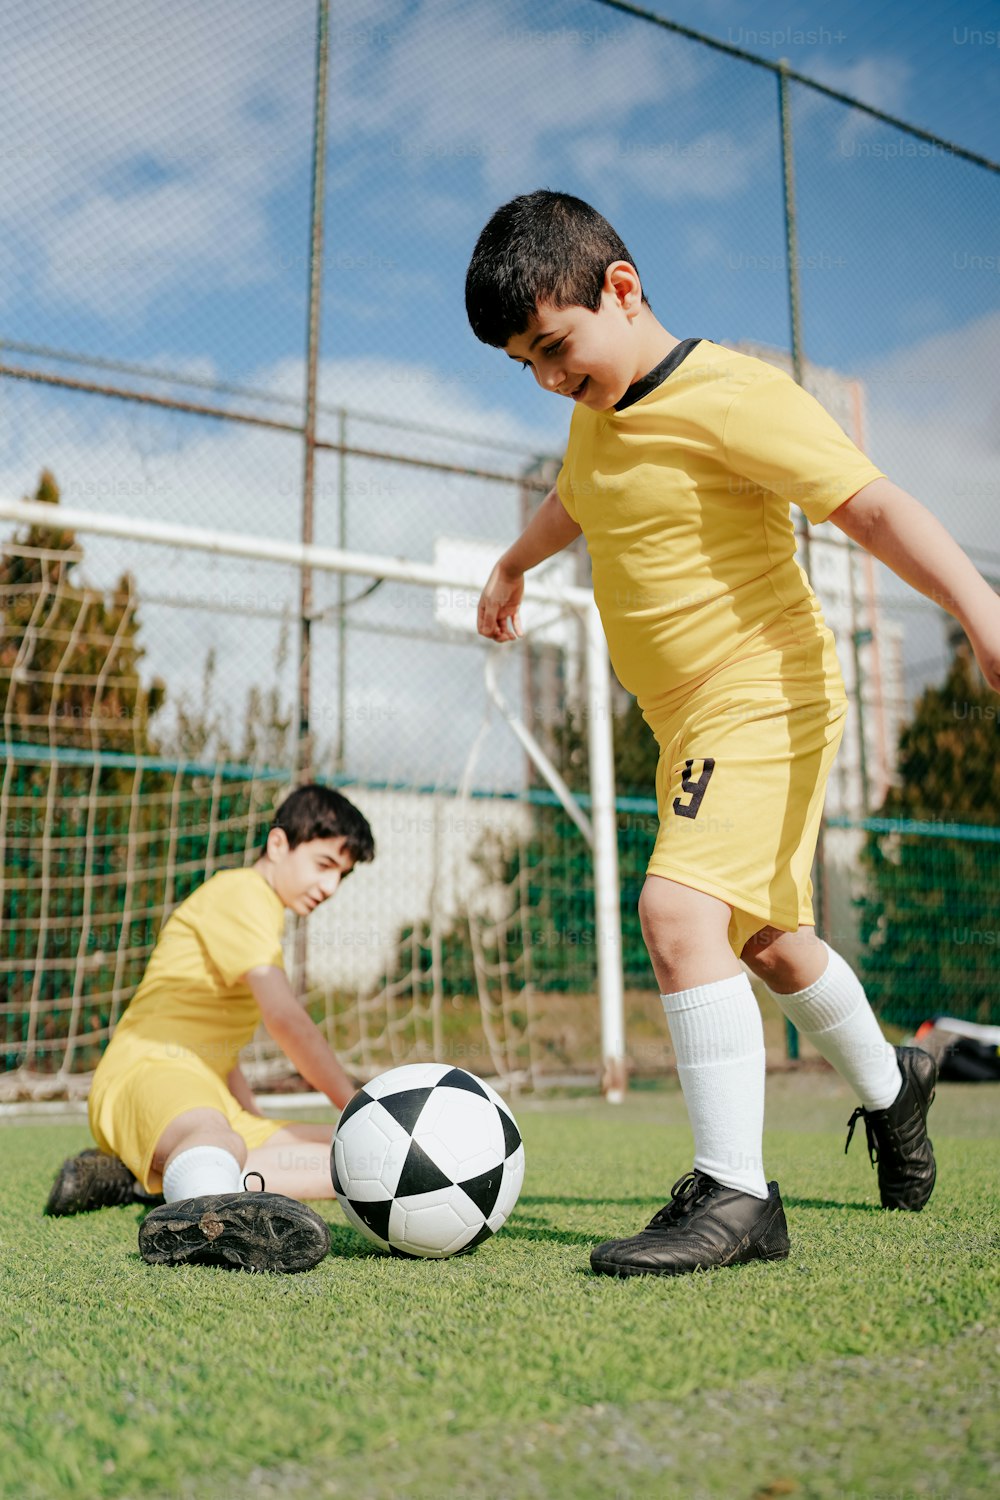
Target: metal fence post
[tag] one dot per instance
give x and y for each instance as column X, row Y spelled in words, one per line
column 304, row 749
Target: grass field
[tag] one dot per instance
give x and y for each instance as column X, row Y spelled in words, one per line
column 867, row 1365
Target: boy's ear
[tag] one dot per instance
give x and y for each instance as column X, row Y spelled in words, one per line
column 277, row 843
column 621, row 281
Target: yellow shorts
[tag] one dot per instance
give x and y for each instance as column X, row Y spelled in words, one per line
column 130, row 1114
column 742, row 775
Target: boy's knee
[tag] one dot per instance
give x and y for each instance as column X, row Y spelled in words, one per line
column 763, row 951
column 774, row 953
column 677, row 920
column 198, row 1127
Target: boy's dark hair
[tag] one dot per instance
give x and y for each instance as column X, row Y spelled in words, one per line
column 541, row 247
column 318, row 812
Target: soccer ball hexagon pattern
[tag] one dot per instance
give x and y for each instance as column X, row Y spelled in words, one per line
column 427, row 1160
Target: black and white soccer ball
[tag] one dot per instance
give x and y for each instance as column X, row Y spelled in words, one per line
column 427, row 1160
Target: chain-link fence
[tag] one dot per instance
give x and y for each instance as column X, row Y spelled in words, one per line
column 181, row 343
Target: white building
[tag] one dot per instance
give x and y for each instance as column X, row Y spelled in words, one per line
column 425, row 870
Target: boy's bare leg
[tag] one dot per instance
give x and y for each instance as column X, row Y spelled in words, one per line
column 196, row 1127
column 685, row 933
column 295, row 1161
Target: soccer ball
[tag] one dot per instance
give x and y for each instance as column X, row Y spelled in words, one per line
column 427, row 1160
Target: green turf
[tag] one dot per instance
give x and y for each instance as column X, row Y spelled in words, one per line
column 865, row 1366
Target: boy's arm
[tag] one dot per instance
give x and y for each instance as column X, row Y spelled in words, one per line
column 298, row 1036
column 241, row 1090
column 550, row 529
column 903, row 534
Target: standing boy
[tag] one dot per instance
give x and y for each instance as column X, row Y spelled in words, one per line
column 681, row 463
column 169, row 1105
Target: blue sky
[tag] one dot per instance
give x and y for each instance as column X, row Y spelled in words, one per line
column 159, row 194
column 154, row 207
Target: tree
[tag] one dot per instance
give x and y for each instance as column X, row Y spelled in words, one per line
column 70, row 654
column 929, row 929
column 635, row 751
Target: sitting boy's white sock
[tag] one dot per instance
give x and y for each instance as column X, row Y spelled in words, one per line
column 719, row 1042
column 834, row 1014
column 202, row 1170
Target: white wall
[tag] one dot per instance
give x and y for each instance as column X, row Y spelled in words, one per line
column 424, row 848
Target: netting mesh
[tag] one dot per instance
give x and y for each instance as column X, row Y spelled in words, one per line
column 155, row 216
column 106, row 828
column 95, row 857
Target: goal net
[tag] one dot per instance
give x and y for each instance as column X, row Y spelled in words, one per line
column 150, row 677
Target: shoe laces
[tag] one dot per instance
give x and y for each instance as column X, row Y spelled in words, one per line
column 872, row 1142
column 686, row 1193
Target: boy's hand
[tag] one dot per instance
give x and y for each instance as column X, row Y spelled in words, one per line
column 499, row 616
column 297, row 1034
column 241, row 1091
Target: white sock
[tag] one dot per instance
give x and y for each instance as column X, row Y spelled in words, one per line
column 834, row 1014
column 201, row 1170
column 719, row 1041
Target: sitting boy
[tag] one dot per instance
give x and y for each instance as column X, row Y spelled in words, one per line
column 169, row 1106
column 681, row 462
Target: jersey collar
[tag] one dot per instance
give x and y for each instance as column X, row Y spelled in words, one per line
column 657, row 375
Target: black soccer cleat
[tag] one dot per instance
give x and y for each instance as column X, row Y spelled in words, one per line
column 703, row 1225
column 92, row 1180
column 244, row 1231
column 897, row 1137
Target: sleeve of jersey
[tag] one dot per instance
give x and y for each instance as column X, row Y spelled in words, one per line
column 239, row 934
column 565, row 494
column 779, row 437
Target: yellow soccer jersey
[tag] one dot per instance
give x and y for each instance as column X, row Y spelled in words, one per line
column 191, row 998
column 683, row 493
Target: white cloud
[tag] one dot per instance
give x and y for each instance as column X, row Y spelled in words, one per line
column 435, row 100
column 713, row 165
column 882, row 82
column 141, row 142
column 116, row 256
column 933, row 420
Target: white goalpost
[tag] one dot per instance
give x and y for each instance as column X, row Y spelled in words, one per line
column 599, row 828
